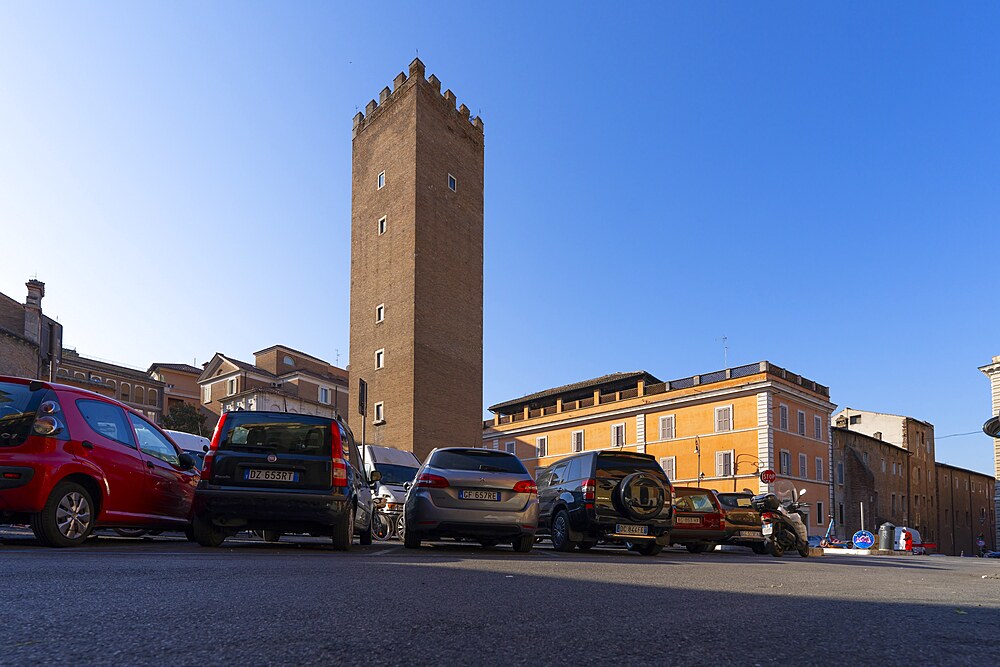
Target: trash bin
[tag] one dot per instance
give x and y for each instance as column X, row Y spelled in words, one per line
column 886, row 536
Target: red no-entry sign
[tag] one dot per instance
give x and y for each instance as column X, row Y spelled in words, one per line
column 768, row 476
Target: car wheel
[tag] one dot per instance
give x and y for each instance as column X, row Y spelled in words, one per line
column 365, row 538
column 774, row 548
column 189, row 534
column 131, row 532
column 586, row 545
column 272, row 535
column 488, row 543
column 522, row 543
column 649, row 548
column 343, row 532
column 206, row 533
column 67, row 517
column 759, row 549
column 411, row 539
column 560, row 532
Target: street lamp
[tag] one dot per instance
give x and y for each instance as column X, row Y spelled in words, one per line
column 992, row 427
column 736, row 466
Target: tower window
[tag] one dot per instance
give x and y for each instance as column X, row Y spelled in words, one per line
column 381, row 226
column 381, row 180
column 379, row 313
column 380, row 358
column 452, row 183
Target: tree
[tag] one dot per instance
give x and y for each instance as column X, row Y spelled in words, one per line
column 185, row 417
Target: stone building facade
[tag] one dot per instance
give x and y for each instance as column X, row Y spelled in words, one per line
column 992, row 371
column 717, row 430
column 30, row 342
column 417, row 267
column 131, row 386
column 180, row 384
column 280, row 379
column 965, row 510
column 870, row 484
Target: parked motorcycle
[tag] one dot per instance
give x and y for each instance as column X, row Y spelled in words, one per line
column 783, row 523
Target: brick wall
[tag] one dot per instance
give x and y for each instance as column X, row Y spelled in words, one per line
column 17, row 357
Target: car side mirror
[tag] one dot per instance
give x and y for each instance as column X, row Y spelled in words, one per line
column 185, row 461
column 375, row 476
column 406, row 486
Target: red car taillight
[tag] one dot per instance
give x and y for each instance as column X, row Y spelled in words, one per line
column 430, row 481
column 338, row 470
column 47, row 419
column 206, row 464
column 589, row 489
column 526, row 486
column 766, row 516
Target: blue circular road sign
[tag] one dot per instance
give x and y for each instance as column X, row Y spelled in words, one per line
column 863, row 540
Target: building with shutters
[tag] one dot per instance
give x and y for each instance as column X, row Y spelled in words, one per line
column 717, row 430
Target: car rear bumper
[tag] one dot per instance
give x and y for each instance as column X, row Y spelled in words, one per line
column 28, row 492
column 681, row 536
column 254, row 508
column 427, row 518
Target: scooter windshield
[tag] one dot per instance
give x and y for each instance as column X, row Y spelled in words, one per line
column 786, row 491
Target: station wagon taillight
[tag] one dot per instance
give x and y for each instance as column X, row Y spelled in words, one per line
column 338, row 470
column 589, row 489
column 430, row 481
column 766, row 516
column 526, row 486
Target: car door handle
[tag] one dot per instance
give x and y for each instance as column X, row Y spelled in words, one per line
column 87, row 444
column 149, row 464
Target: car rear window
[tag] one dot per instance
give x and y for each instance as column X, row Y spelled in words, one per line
column 290, row 434
column 734, row 500
column 617, row 466
column 482, row 460
column 695, row 502
column 17, row 412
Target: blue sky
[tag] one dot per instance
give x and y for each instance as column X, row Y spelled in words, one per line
column 816, row 183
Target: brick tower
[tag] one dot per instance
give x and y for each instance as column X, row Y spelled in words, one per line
column 417, row 268
column 992, row 371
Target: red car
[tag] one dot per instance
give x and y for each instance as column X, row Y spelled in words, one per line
column 72, row 461
column 699, row 520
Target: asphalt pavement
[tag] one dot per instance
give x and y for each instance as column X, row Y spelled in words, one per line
column 166, row 601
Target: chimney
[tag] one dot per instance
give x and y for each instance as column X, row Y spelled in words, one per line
column 33, row 310
column 877, row 435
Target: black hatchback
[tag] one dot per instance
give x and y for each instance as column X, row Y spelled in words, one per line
column 609, row 496
column 280, row 473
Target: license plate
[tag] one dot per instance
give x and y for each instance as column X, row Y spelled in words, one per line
column 271, row 476
column 767, row 529
column 749, row 533
column 629, row 529
column 687, row 519
column 469, row 494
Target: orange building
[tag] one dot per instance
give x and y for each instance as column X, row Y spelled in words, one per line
column 718, row 430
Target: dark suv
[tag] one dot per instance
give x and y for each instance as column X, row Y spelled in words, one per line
column 608, row 496
column 279, row 473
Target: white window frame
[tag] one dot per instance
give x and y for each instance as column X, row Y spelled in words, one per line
column 669, row 465
column 324, row 395
column 496, row 444
column 668, row 426
column 452, row 183
column 379, row 412
column 382, row 225
column 720, row 462
column 783, row 469
column 730, row 418
column 206, row 394
column 510, row 447
column 380, row 180
column 801, row 422
column 818, row 476
column 819, row 513
column 803, row 466
column 614, row 439
column 818, row 427
column 783, row 417
column 577, row 438
column 542, row 446
column 230, row 386
column 380, row 313
column 380, row 358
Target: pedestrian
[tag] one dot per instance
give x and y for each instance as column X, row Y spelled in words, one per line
column 907, row 540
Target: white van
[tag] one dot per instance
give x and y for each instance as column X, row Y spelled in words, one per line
column 195, row 445
column 916, row 543
column 397, row 468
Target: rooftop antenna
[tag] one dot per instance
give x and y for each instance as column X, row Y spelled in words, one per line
column 725, row 351
column 337, row 363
